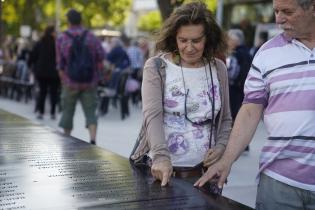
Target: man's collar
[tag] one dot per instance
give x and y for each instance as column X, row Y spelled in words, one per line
column 287, row 38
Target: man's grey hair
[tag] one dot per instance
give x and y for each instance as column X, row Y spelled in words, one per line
column 238, row 35
column 305, row 4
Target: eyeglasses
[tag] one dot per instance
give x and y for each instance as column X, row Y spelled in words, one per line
column 197, row 40
column 200, row 123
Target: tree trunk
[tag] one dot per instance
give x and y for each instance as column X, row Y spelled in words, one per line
column 165, row 7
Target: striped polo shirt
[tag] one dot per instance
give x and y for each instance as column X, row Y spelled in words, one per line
column 282, row 78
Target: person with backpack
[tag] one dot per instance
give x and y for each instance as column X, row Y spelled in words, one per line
column 80, row 58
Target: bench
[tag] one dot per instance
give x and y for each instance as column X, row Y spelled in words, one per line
column 105, row 95
column 16, row 89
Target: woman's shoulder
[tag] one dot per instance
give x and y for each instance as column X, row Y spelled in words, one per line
column 221, row 68
column 219, row 64
column 156, row 61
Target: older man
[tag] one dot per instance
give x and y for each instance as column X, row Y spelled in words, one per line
column 281, row 86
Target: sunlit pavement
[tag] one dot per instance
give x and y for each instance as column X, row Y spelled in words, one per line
column 119, row 136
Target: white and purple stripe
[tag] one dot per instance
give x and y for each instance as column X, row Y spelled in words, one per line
column 282, row 78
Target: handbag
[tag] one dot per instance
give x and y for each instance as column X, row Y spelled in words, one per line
column 132, row 85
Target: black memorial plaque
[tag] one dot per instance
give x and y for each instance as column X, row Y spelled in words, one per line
column 42, row 169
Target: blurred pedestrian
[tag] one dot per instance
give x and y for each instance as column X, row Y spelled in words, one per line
column 43, row 62
column 22, row 67
column 249, row 32
column 262, row 38
column 136, row 64
column 80, row 58
column 238, row 63
column 119, row 61
column 280, row 86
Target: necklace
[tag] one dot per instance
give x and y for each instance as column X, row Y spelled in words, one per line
column 212, row 101
column 181, row 68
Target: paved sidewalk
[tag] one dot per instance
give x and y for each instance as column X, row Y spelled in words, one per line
column 119, row 136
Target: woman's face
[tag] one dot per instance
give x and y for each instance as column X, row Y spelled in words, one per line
column 191, row 41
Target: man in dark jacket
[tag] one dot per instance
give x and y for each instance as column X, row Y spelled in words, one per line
column 238, row 63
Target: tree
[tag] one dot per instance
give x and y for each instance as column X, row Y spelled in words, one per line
column 39, row 13
column 167, row 6
column 152, row 21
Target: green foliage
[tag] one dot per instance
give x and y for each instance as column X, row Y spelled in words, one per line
column 212, row 4
column 150, row 22
column 9, row 13
column 39, row 13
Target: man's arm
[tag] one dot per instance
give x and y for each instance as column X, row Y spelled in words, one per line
column 243, row 130
column 60, row 60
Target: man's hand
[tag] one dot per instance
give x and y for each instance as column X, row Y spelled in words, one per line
column 243, row 130
column 162, row 171
column 219, row 170
column 212, row 156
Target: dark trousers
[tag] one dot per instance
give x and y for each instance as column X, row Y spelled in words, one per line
column 236, row 100
column 51, row 87
column 136, row 96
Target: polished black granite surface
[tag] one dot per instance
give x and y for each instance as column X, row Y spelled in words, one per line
column 42, row 169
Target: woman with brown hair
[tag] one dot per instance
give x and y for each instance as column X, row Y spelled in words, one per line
column 43, row 62
column 185, row 97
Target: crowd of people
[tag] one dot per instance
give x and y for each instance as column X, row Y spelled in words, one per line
column 203, row 94
column 40, row 62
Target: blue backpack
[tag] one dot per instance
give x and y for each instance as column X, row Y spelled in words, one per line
column 80, row 67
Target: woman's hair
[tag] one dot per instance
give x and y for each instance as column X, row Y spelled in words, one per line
column 48, row 42
column 49, row 30
column 194, row 13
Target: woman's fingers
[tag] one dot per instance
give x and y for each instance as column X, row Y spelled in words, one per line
column 156, row 173
column 212, row 156
column 166, row 178
column 206, row 177
column 162, row 171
